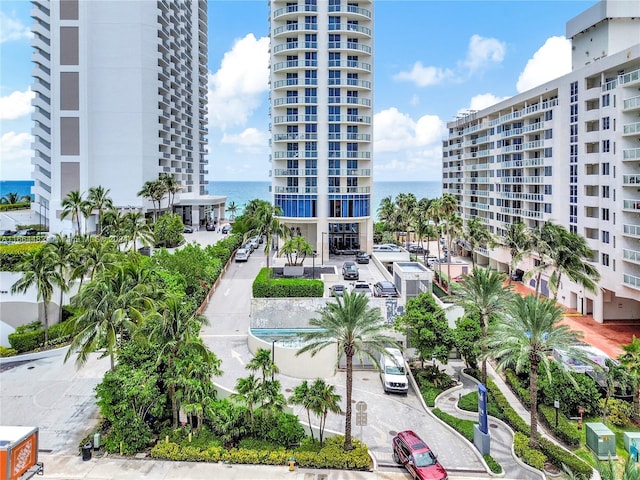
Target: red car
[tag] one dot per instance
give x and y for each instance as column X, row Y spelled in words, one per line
column 416, row 456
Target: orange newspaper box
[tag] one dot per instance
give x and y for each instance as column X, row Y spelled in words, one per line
column 19, row 453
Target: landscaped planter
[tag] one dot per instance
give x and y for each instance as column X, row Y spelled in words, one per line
column 293, row 271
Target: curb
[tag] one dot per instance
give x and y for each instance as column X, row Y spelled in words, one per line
column 28, row 357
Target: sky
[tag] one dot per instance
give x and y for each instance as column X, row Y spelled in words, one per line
column 432, row 61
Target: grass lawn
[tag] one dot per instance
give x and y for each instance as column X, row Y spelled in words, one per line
column 469, row 402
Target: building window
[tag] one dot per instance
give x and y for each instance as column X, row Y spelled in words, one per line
column 606, row 146
column 606, row 100
column 605, row 168
column 605, row 123
column 605, row 259
column 547, row 208
column 605, row 191
column 605, row 214
column 605, row 236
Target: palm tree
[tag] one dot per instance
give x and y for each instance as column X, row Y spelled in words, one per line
column 153, row 190
column 39, row 271
column 302, row 396
column 517, row 239
column 294, row 248
column 177, row 333
column 630, row 359
column 73, row 204
column 540, row 245
column 111, row 306
column 421, row 221
column 232, row 208
column 453, row 228
column 357, row 329
column 13, row 198
column 484, row 294
column 324, row 400
column 136, row 229
column 526, row 338
column 64, row 254
column 263, row 361
column 97, row 256
column 435, row 214
column 99, row 199
column 171, row 186
column 249, row 392
column 268, row 225
column 406, row 203
column 476, row 233
column 387, row 212
column 570, row 257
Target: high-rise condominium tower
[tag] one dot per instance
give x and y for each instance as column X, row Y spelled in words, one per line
column 120, row 99
column 321, row 120
column 566, row 152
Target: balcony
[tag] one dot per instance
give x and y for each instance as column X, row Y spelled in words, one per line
column 297, row 154
column 630, row 79
column 631, row 129
column 349, row 189
column 350, row 46
column 358, row 137
column 292, row 10
column 631, row 281
column 349, row 172
column 632, row 256
column 349, row 154
column 350, row 101
column 289, row 46
column 632, row 104
column 350, row 28
column 350, row 119
column 350, row 82
column 299, row 189
column 350, row 9
column 631, row 180
column 530, row 179
column 295, row 101
column 631, row 231
column 285, row 137
column 630, row 154
column 350, row 64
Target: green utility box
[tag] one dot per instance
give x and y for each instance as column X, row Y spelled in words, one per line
column 629, row 438
column 601, row 440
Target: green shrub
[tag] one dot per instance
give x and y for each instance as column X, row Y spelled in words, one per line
column 559, row 456
column 283, row 428
column 619, row 412
column 26, row 342
column 510, row 415
column 128, row 434
column 7, row 352
column 494, row 466
column 469, row 402
column 566, row 432
column 465, row 427
column 530, row 456
column 286, row 287
column 13, row 254
column 521, row 392
column 429, row 394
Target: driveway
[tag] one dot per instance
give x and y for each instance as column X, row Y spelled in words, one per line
column 226, row 335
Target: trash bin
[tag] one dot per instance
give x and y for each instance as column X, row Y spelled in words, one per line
column 86, row 451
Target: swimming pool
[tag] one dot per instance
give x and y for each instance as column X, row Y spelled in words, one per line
column 285, row 337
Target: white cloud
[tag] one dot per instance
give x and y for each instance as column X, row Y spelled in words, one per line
column 12, row 29
column 415, row 101
column 15, row 152
column 483, row 52
column 480, row 102
column 250, row 140
column 236, row 89
column 406, row 148
column 551, row 61
column 16, row 105
column 424, row 76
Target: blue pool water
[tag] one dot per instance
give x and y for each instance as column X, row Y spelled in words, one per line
column 285, row 337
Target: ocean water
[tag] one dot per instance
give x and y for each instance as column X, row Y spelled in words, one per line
column 243, row 192
column 21, row 187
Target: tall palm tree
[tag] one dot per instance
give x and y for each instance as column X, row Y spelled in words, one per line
column 302, row 396
column 153, row 190
column 249, row 391
column 387, row 211
column 484, row 294
column 435, row 214
column 99, row 199
column 65, row 255
column 97, row 256
column 232, row 208
column 39, row 271
column 73, row 205
column 527, row 337
column 176, row 333
column 541, row 245
column 136, row 229
column 421, row 221
column 111, row 305
column 268, row 225
column 171, row 186
column 630, row 360
column 357, row 329
column 476, row 233
column 453, row 228
column 518, row 240
column 406, row 204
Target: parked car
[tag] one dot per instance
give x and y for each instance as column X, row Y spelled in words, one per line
column 211, row 227
column 8, row 233
column 416, row 456
column 248, row 247
column 392, row 371
column 337, row 290
column 385, row 289
column 362, row 257
column 226, row 228
column 361, row 287
column 350, row 271
column 187, row 229
column 387, row 247
column 255, row 242
column 28, row 232
column 242, row 255
column 414, row 248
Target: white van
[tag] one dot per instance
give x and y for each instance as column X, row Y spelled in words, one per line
column 393, row 371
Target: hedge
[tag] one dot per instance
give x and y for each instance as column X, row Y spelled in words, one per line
column 521, row 392
column 559, row 456
column 510, row 415
column 530, row 456
column 286, row 287
column 34, row 339
column 566, row 431
column 13, row 254
column 331, row 455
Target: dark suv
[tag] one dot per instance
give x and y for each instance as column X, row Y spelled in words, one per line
column 410, row 451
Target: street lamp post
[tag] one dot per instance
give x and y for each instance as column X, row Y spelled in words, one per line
column 273, row 356
column 313, row 256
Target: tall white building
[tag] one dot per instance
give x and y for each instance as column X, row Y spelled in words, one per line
column 321, row 76
column 121, row 98
column 567, row 151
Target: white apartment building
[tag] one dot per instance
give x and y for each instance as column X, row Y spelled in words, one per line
column 321, row 85
column 567, row 151
column 120, row 98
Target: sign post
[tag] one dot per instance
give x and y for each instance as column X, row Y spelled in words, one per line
column 481, row 436
column 361, row 416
